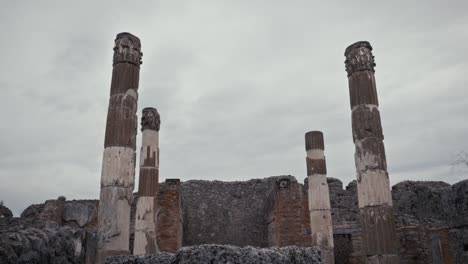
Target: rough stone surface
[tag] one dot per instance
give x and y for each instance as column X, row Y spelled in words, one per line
column 5, row 211
column 21, row 242
column 32, row 211
column 80, row 212
column 422, row 203
column 227, row 254
column 419, row 226
column 232, row 213
column 459, row 202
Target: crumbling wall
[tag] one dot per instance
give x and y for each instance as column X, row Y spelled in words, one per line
column 227, row 254
column 234, row 213
column 29, row 241
column 346, row 225
column 429, row 215
column 422, row 203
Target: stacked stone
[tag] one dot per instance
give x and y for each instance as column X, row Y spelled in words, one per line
column 374, row 196
column 118, row 168
column 319, row 197
column 289, row 227
column 145, row 242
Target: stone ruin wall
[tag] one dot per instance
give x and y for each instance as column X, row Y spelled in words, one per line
column 432, row 218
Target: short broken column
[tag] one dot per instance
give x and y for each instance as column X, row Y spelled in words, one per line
column 118, row 166
column 145, row 219
column 380, row 242
column 319, row 197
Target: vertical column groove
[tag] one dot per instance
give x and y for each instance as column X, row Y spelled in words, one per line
column 118, row 166
column 374, row 196
column 319, row 196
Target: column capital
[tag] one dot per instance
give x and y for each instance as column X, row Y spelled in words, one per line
column 127, row 49
column 359, row 57
column 150, row 119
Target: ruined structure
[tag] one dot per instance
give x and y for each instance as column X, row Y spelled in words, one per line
column 431, row 219
column 354, row 225
column 145, row 219
column 118, row 165
column 319, row 198
column 374, row 196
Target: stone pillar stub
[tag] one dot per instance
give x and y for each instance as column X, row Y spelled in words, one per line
column 118, row 167
column 373, row 185
column 315, row 159
column 319, row 196
column 314, row 140
column 146, row 219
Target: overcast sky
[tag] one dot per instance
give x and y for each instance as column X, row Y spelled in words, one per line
column 237, row 85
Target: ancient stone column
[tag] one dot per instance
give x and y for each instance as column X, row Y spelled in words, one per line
column 145, row 220
column 118, row 166
column 374, row 196
column 319, row 196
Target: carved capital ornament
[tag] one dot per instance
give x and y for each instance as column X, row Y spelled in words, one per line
column 359, row 58
column 150, row 119
column 127, row 49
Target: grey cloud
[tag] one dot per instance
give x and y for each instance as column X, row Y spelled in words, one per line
column 237, row 86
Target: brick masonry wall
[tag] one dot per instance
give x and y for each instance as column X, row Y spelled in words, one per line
column 291, row 225
column 169, row 216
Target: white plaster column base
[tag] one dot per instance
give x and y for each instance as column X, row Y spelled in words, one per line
column 114, row 220
column 145, row 227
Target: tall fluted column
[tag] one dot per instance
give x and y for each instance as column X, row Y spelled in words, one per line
column 319, row 196
column 118, row 166
column 374, row 195
column 145, row 219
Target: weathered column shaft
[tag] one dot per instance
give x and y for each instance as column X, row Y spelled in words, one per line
column 145, row 218
column 319, row 197
column 118, row 166
column 374, row 195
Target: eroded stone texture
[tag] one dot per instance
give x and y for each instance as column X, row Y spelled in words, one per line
column 318, row 196
column 24, row 242
column 374, row 196
column 235, row 213
column 83, row 213
column 227, row 254
column 5, row 211
column 145, row 241
column 118, row 169
column 52, row 211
